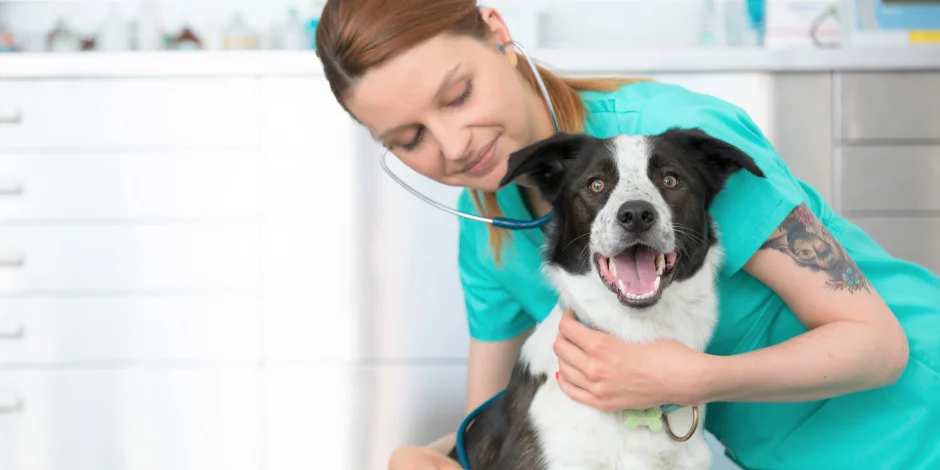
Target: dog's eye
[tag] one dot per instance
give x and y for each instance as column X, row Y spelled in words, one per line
column 597, row 185
column 671, row 180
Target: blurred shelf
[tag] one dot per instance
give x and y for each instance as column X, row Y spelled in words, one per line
column 742, row 59
column 573, row 61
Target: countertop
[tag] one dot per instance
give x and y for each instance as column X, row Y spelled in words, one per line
column 570, row 61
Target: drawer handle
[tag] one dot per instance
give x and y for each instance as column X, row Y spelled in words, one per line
column 10, row 403
column 11, row 330
column 15, row 118
column 10, row 187
column 12, row 260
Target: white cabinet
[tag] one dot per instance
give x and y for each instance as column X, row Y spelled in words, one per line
column 130, row 113
column 129, row 185
column 315, row 276
column 213, row 273
column 192, row 418
column 130, row 269
column 352, row 417
column 119, row 257
column 160, row 329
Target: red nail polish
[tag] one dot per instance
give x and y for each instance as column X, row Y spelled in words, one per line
column 556, row 375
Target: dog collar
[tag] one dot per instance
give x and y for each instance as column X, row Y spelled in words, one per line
column 656, row 418
column 653, row 418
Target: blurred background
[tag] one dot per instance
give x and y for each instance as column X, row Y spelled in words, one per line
column 203, row 267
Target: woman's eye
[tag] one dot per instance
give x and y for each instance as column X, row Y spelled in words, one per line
column 463, row 96
column 597, row 185
column 415, row 141
column 671, row 180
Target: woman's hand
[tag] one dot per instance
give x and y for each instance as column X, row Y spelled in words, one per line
column 421, row 458
column 600, row 371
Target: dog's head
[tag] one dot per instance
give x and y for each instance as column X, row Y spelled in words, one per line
column 630, row 212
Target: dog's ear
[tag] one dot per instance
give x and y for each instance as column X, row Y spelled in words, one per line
column 544, row 162
column 719, row 158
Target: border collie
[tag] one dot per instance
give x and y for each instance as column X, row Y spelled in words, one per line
column 633, row 251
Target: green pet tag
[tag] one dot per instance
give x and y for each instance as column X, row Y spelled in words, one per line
column 650, row 417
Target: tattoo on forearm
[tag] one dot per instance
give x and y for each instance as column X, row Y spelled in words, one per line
column 805, row 239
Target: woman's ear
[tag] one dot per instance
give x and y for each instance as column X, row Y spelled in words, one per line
column 499, row 33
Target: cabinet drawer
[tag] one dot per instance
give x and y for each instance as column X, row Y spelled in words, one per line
column 118, row 419
column 72, row 330
column 913, row 239
column 891, row 178
column 128, row 257
column 891, row 106
column 128, row 112
column 137, row 185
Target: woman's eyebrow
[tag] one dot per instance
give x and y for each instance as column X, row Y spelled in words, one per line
column 448, row 78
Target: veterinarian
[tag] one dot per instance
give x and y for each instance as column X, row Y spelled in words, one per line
column 827, row 353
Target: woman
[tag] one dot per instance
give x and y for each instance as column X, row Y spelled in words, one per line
column 827, row 351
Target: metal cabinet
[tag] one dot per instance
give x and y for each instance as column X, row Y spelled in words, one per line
column 890, row 106
column 888, row 159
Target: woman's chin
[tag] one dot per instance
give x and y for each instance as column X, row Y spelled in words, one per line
column 489, row 182
column 483, row 185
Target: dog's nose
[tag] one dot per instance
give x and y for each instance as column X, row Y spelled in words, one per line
column 637, row 216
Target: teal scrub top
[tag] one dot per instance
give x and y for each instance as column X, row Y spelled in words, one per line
column 892, row 427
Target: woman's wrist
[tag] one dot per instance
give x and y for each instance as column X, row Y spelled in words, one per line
column 711, row 379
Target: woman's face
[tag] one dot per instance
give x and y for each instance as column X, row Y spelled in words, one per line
column 452, row 108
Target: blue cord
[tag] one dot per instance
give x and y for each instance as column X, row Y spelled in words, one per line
column 514, row 224
column 461, row 451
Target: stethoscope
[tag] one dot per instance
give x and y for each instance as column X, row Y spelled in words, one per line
column 501, row 222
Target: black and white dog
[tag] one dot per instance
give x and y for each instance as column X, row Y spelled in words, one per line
column 633, row 251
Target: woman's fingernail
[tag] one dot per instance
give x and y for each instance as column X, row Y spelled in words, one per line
column 556, row 375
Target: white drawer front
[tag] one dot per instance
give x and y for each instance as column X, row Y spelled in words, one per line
column 355, row 415
column 128, row 257
column 79, row 330
column 142, row 419
column 135, row 185
column 129, row 112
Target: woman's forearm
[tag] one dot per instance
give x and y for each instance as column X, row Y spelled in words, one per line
column 833, row 359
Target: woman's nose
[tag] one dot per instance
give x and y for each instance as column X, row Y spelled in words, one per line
column 454, row 143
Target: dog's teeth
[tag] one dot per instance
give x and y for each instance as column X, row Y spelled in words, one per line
column 612, row 267
column 656, row 284
column 622, row 287
column 660, row 264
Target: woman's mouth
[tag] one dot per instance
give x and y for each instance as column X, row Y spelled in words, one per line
column 484, row 163
column 637, row 275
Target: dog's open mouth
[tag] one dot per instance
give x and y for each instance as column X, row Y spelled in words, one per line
column 637, row 275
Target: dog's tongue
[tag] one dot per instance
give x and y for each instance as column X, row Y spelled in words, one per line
column 637, row 269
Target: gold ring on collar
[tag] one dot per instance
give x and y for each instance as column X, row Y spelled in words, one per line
column 691, row 431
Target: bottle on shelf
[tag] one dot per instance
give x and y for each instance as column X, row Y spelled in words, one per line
column 62, row 38
column 114, row 34
column 238, row 35
column 294, row 36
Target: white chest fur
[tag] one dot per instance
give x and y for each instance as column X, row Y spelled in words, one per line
column 575, row 436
